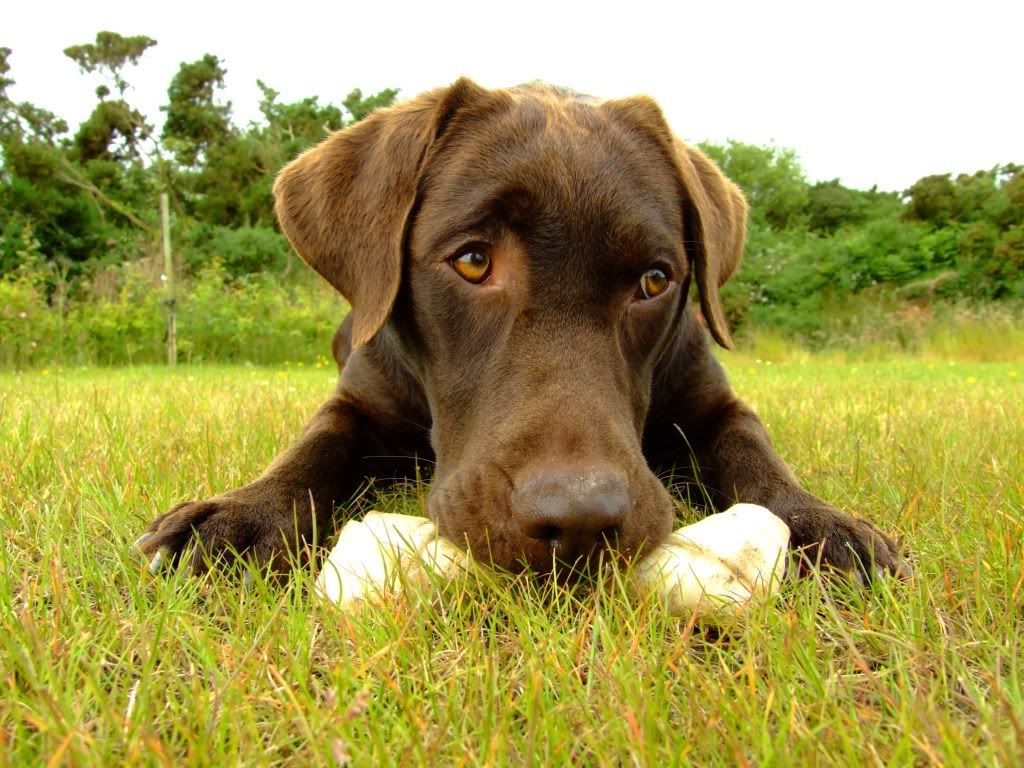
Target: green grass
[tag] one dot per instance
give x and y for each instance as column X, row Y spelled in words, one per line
column 500, row 670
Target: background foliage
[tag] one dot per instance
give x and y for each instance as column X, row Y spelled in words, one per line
column 80, row 261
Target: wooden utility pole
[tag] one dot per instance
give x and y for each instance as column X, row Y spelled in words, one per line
column 172, row 299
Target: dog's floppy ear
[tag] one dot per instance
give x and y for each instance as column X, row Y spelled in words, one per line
column 715, row 218
column 345, row 203
column 714, row 210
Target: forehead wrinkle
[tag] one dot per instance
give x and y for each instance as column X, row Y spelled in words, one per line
column 578, row 177
column 575, row 216
column 482, row 212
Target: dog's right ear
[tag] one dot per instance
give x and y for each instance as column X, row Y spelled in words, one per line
column 345, row 203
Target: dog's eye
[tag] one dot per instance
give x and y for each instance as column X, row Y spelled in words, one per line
column 473, row 266
column 653, row 283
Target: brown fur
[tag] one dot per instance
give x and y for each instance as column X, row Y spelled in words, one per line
column 549, row 375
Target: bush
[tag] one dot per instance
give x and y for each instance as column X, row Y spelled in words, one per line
column 241, row 251
column 128, row 327
column 257, row 318
column 27, row 324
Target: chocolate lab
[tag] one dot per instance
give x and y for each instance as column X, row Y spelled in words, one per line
column 519, row 264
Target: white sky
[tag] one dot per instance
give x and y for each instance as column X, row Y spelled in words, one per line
column 868, row 92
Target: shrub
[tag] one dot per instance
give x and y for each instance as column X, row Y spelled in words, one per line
column 27, row 324
column 257, row 318
column 241, row 251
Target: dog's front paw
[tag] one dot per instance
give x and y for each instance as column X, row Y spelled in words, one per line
column 249, row 522
column 842, row 542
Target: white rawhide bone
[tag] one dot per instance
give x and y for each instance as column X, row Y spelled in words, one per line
column 716, row 566
column 374, row 554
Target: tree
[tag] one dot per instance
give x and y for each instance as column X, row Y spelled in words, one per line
column 298, row 124
column 6, row 106
column 830, row 205
column 24, row 120
column 233, row 177
column 97, row 137
column 1012, row 188
column 195, row 120
column 89, row 199
column 359, row 107
column 931, row 199
column 1009, row 253
column 974, row 195
column 109, row 55
column 771, row 178
column 113, row 131
column 977, row 242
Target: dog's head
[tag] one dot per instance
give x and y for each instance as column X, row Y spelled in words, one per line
column 527, row 253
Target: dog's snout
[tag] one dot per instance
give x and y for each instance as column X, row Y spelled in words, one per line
column 573, row 509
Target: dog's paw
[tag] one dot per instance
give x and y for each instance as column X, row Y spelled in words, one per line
column 218, row 530
column 845, row 543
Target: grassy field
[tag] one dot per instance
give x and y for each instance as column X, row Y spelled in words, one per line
column 102, row 663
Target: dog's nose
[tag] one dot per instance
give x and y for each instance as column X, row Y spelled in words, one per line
column 573, row 509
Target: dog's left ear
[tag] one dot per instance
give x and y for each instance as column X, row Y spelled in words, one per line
column 714, row 210
column 345, row 203
column 715, row 219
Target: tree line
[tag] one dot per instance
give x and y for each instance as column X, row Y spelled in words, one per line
column 815, row 249
column 78, row 205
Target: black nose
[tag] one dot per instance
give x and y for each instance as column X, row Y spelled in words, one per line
column 574, row 509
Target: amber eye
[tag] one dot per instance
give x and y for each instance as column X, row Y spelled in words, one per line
column 653, row 283
column 473, row 266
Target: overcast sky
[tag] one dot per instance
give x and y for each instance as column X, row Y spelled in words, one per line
column 868, row 92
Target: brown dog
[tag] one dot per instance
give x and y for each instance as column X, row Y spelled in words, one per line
column 518, row 263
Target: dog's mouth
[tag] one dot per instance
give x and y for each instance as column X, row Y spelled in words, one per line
column 544, row 561
column 506, row 548
column 551, row 518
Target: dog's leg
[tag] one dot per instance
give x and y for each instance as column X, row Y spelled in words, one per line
column 737, row 463
column 699, row 428
column 275, row 517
